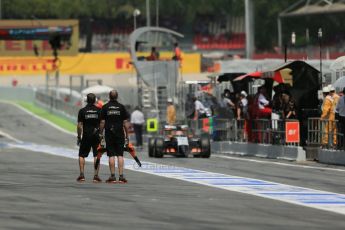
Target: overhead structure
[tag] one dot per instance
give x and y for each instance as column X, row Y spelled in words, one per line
column 316, row 7
column 157, row 79
column 133, row 38
column 309, row 7
column 249, row 26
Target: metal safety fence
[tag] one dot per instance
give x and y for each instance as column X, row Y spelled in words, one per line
column 56, row 105
column 263, row 131
column 327, row 134
column 271, row 131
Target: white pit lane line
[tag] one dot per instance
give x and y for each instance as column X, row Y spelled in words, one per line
column 328, row 201
column 8, row 136
column 279, row 163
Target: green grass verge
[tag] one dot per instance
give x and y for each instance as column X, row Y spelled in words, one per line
column 45, row 114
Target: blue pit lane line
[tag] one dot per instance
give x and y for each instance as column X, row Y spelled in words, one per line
column 317, row 199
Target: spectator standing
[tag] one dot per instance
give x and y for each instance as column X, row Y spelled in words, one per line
column 199, row 109
column 277, row 115
column 340, row 110
column 242, row 108
column 171, row 112
column 138, row 120
column 154, row 56
column 289, row 107
column 177, row 53
column 242, row 114
column 277, row 107
column 263, row 104
column 262, row 112
column 228, row 104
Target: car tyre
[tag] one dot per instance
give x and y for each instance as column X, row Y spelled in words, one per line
column 151, row 147
column 205, row 146
column 159, row 146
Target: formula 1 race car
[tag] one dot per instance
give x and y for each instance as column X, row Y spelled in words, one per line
column 177, row 141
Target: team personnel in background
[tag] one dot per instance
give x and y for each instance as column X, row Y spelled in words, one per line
column 177, row 53
column 99, row 103
column 242, row 107
column 289, row 107
column 88, row 134
column 333, row 94
column 171, row 112
column 264, row 110
column 328, row 115
column 137, row 120
column 335, row 98
column 228, row 104
column 199, row 109
column 114, row 118
column 242, row 113
column 154, row 56
column 340, row 110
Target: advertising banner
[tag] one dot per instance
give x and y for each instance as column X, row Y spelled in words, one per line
column 292, row 132
column 25, row 37
column 85, row 63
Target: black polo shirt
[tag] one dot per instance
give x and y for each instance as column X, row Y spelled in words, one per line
column 114, row 114
column 90, row 115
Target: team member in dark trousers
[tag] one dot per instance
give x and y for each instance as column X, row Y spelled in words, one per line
column 340, row 113
column 137, row 120
column 114, row 118
column 88, row 134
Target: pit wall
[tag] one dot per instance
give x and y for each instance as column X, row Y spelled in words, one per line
column 327, row 156
column 291, row 153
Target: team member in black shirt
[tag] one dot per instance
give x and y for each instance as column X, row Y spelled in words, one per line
column 114, row 120
column 88, row 134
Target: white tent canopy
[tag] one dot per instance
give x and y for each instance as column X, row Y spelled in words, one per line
column 67, row 91
column 97, row 89
column 339, row 84
column 338, row 64
column 101, row 91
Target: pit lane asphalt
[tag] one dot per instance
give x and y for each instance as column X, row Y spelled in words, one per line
column 39, row 191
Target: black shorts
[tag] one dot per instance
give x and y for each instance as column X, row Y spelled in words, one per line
column 86, row 144
column 114, row 145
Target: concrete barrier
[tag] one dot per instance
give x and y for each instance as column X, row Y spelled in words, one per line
column 335, row 157
column 291, row 153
